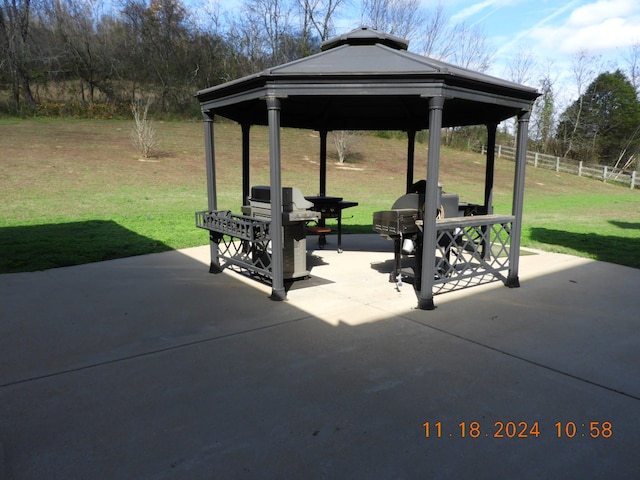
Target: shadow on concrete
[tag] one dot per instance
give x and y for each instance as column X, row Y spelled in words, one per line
column 605, row 248
column 40, row 247
column 366, row 242
column 151, row 368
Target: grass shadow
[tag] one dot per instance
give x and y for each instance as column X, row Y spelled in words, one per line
column 606, row 248
column 40, row 247
column 625, row 225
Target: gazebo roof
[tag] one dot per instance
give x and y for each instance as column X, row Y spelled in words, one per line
column 367, row 80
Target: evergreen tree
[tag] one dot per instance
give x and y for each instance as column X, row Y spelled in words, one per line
column 607, row 126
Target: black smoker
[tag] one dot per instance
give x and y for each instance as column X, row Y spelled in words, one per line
column 403, row 224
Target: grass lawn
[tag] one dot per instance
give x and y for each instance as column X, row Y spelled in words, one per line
column 76, row 191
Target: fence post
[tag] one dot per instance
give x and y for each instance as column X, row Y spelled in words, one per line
column 499, row 151
column 580, row 168
column 633, row 179
column 535, row 160
column 604, row 173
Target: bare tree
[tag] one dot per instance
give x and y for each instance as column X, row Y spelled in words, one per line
column 518, row 70
column 273, row 21
column 343, row 139
column 544, row 113
column 460, row 44
column 245, row 48
column 435, row 41
column 471, row 49
column 15, row 28
column 319, row 16
column 143, row 135
column 402, row 18
column 584, row 70
column 85, row 44
column 633, row 66
column 520, row 67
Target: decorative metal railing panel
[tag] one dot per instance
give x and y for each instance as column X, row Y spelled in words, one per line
column 242, row 241
column 471, row 251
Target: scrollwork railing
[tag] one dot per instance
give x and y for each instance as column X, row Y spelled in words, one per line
column 471, row 251
column 242, row 241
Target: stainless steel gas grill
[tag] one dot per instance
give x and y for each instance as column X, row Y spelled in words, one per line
column 295, row 208
column 296, row 211
column 244, row 241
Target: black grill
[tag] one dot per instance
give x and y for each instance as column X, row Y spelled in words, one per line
column 403, row 224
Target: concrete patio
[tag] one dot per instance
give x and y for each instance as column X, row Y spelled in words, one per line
column 151, row 368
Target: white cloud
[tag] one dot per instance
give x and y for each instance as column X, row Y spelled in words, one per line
column 538, row 27
column 608, row 35
column 598, row 27
column 479, row 7
column 471, row 10
column 602, row 10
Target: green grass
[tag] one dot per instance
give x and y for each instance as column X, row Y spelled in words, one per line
column 602, row 226
column 76, row 191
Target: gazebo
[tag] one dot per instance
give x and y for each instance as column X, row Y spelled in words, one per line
column 367, row 80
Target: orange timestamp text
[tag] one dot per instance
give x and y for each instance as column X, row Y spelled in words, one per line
column 519, row 429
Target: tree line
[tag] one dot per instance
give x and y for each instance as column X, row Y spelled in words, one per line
column 94, row 58
column 91, row 52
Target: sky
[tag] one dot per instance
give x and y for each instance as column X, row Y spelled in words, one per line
column 556, row 27
column 554, row 30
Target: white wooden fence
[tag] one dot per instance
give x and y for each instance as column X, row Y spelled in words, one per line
column 600, row 172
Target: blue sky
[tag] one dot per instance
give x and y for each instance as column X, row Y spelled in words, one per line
column 554, row 29
column 554, row 32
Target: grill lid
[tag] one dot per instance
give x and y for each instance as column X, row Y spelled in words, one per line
column 292, row 198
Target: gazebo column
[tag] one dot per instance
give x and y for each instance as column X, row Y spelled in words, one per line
column 323, row 162
column 489, row 175
column 275, row 230
column 490, row 168
column 246, row 172
column 518, row 199
column 411, row 153
column 425, row 298
column 212, row 197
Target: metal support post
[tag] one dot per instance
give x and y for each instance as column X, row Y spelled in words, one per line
column 246, row 163
column 518, row 199
column 212, row 198
column 323, row 163
column 425, row 300
column 411, row 153
column 275, row 230
column 490, row 168
column 489, row 175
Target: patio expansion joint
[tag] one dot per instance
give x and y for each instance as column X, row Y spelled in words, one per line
column 154, row 352
column 526, row 360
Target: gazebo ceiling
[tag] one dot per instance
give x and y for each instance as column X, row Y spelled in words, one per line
column 367, row 80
